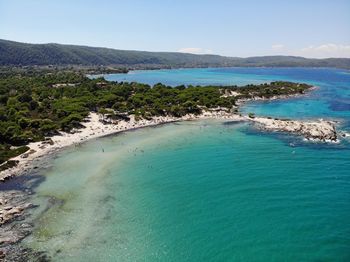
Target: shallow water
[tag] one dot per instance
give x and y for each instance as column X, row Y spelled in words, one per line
column 204, row 190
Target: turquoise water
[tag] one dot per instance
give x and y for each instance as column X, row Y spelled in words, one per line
column 330, row 100
column 204, row 190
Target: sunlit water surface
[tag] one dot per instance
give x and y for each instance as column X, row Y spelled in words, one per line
column 205, row 190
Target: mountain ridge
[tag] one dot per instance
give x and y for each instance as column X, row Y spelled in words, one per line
column 25, row 54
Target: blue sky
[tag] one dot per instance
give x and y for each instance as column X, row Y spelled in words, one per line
column 311, row 28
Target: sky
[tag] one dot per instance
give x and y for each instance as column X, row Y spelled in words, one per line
column 309, row 28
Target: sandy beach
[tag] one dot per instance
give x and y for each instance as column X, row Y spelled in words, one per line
column 95, row 128
column 314, row 130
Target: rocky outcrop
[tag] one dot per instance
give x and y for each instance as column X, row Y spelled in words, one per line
column 13, row 206
column 7, row 213
column 312, row 130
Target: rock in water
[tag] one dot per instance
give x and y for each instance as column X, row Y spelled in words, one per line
column 316, row 130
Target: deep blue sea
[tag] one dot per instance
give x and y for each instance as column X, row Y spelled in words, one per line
column 205, row 190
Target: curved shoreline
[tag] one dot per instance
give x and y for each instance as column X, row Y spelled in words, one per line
column 14, row 203
column 94, row 128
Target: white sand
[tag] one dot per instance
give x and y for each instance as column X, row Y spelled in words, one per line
column 229, row 93
column 95, row 128
column 316, row 130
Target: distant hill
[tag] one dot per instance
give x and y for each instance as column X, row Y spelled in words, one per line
column 23, row 54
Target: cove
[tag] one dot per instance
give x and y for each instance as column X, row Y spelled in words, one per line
column 204, row 190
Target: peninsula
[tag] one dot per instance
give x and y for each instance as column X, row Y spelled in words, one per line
column 43, row 112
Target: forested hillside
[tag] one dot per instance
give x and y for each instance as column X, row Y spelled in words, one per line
column 22, row 54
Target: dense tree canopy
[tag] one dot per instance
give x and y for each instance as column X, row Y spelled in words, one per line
column 35, row 106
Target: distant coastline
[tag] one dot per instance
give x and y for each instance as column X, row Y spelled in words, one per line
column 23, row 54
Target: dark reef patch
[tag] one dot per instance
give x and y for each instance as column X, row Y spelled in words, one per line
column 340, row 105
